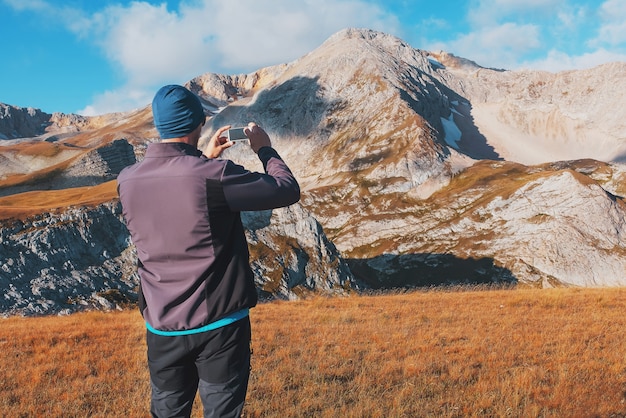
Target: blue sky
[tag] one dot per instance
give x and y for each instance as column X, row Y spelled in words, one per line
column 99, row 56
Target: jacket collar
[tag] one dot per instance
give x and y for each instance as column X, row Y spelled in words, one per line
column 171, row 149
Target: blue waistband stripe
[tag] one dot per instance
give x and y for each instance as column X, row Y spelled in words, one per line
column 227, row 320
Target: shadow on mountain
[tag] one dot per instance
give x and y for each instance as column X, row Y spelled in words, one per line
column 390, row 271
column 296, row 103
column 442, row 102
column 56, row 183
column 292, row 108
column 620, row 159
column 256, row 220
column 472, row 143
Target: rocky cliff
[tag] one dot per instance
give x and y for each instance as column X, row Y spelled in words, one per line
column 19, row 122
column 83, row 258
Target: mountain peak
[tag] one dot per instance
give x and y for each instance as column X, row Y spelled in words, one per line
column 361, row 33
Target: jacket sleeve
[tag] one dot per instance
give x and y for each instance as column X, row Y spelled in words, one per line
column 247, row 191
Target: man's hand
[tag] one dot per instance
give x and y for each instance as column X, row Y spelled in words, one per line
column 218, row 143
column 258, row 137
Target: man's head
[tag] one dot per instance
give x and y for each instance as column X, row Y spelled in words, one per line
column 177, row 111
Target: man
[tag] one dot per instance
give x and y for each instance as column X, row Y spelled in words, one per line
column 182, row 210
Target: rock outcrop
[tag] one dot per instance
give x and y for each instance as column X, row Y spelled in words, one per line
column 20, row 122
column 66, row 262
column 83, row 258
column 97, row 166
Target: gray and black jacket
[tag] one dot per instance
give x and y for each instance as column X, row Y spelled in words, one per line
column 182, row 211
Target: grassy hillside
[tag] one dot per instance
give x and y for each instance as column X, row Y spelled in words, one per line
column 23, row 205
column 464, row 353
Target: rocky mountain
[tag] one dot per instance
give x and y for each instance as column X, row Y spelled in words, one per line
column 418, row 168
column 17, row 122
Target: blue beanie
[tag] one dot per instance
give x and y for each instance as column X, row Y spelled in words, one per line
column 176, row 111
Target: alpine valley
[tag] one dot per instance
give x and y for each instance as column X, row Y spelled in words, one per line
column 417, row 169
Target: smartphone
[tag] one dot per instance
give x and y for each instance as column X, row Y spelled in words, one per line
column 236, row 134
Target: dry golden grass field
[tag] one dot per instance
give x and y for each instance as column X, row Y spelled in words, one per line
column 463, row 353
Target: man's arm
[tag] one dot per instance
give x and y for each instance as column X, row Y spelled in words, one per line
column 246, row 190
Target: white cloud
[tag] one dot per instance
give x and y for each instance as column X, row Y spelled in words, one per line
column 613, row 28
column 125, row 98
column 550, row 35
column 613, row 33
column 556, row 61
column 34, row 5
column 570, row 18
column 613, row 9
column 502, row 31
column 496, row 46
column 149, row 43
column 492, row 12
column 275, row 31
column 152, row 45
column 73, row 19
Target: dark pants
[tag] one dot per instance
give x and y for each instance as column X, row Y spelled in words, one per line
column 217, row 363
